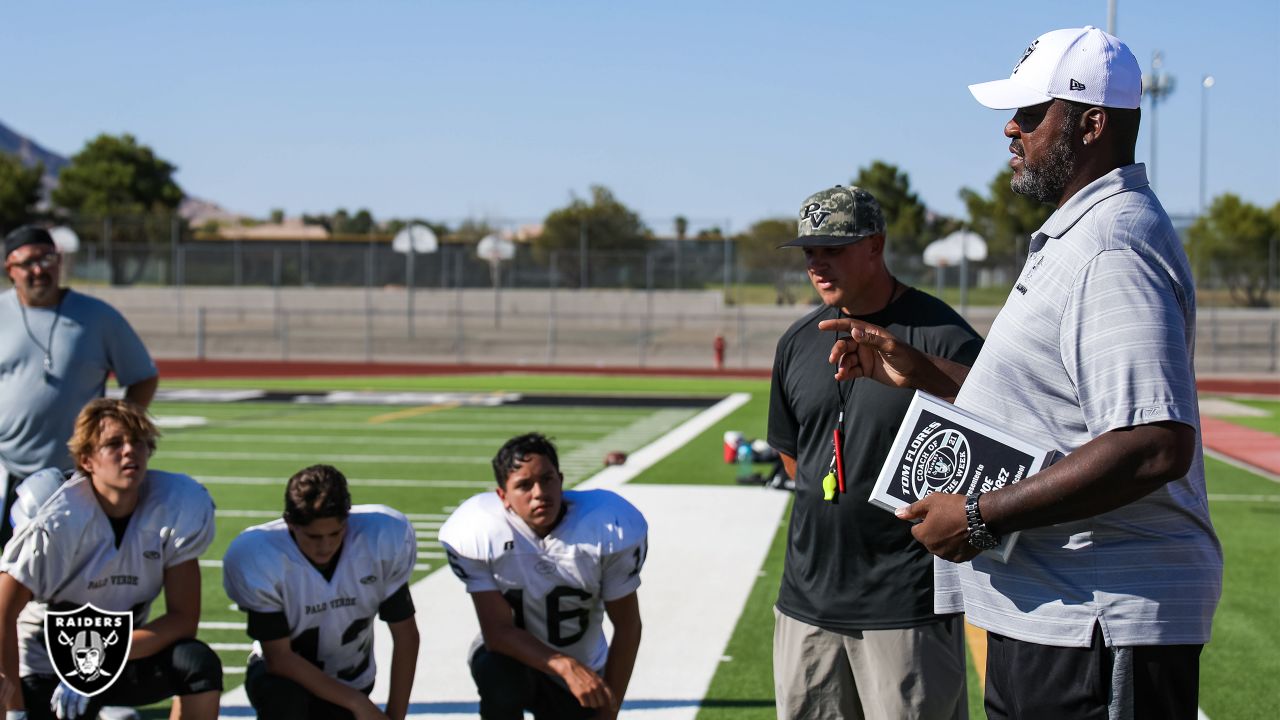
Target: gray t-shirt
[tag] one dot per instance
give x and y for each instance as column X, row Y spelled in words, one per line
column 1098, row 334
column 38, row 409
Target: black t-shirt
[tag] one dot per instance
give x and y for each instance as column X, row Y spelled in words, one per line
column 851, row 565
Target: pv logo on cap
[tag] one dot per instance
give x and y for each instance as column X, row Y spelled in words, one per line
column 88, row 646
column 814, row 213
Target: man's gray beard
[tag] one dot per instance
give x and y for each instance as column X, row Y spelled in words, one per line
column 1048, row 180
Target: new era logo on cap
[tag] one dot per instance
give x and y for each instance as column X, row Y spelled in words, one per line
column 1084, row 64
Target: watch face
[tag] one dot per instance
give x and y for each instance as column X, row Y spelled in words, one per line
column 982, row 539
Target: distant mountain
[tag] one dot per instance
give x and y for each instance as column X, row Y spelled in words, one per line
column 30, row 152
column 197, row 212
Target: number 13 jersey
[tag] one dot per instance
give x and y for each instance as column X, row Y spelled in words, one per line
column 557, row 585
column 329, row 621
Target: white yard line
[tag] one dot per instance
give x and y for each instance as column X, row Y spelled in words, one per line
column 204, row 438
column 303, row 457
column 354, row 482
column 706, row 546
column 221, row 625
column 420, row 520
column 1222, row 407
column 499, row 429
column 1242, row 465
column 649, row 455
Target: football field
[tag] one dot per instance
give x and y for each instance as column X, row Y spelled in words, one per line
column 423, row 455
column 422, row 460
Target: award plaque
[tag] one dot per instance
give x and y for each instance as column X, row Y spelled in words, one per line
column 941, row 448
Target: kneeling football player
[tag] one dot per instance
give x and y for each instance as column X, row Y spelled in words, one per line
column 114, row 534
column 543, row 566
column 311, row 584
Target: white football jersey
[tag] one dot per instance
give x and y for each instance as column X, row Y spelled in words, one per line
column 67, row 556
column 330, row 621
column 557, row 585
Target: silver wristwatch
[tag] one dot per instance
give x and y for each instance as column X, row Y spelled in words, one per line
column 979, row 536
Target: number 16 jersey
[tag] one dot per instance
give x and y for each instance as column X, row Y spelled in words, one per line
column 557, row 585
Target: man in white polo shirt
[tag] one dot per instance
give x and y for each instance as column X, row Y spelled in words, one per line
column 1108, row 598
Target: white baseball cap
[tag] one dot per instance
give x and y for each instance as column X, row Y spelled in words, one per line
column 1084, row 65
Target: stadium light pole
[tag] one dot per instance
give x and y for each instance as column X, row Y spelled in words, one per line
column 1111, row 17
column 1158, row 85
column 1205, row 83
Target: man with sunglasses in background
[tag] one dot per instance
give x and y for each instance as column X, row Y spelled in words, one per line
column 57, row 347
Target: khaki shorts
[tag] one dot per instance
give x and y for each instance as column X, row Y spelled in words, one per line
column 872, row 674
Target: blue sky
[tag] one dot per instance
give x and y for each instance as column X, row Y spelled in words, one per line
column 725, row 112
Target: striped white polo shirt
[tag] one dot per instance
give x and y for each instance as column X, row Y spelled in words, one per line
column 1098, row 333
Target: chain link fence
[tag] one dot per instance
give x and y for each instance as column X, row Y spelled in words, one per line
column 663, row 306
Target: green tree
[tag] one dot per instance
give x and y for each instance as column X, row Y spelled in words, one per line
column 116, row 176
column 758, row 250
column 119, row 188
column 906, row 227
column 682, row 227
column 361, row 223
column 1004, row 219
column 340, row 222
column 603, row 225
column 19, row 192
column 277, row 215
column 1233, row 241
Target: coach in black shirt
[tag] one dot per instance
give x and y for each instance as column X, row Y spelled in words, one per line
column 856, row 634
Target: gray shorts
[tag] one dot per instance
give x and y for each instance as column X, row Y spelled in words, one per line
column 910, row 673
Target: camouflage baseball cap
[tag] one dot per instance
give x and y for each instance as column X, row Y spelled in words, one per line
column 838, row 216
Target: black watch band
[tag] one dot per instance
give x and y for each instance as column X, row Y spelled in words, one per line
column 979, row 536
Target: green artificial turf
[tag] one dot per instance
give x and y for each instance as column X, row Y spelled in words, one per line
column 1237, row 669
column 1239, row 666
column 511, row 382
